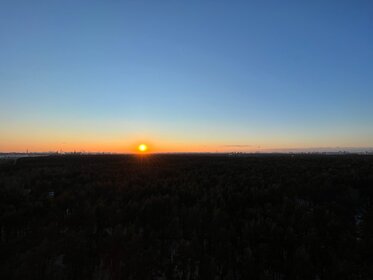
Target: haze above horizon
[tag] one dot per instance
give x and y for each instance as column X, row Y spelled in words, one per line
column 185, row 76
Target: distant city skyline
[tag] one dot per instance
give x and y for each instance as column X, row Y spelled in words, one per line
column 186, row 76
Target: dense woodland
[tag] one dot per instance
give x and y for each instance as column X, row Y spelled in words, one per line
column 187, row 217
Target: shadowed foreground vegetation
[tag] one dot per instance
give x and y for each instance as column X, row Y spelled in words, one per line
column 187, row 217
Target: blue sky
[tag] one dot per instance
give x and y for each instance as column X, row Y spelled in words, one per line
column 185, row 75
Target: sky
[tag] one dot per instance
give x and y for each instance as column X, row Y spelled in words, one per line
column 185, row 76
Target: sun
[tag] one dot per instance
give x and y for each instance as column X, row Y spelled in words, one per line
column 142, row 148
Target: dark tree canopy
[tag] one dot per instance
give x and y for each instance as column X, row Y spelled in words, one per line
column 187, row 217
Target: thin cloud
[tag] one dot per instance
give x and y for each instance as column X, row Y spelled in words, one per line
column 239, row 146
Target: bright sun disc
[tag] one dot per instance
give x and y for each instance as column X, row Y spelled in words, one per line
column 142, row 148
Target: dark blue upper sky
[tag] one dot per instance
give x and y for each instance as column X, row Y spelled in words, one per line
column 186, row 74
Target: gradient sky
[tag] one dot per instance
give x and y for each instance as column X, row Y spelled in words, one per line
column 185, row 75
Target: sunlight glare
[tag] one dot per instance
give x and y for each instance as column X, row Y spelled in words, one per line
column 142, row 148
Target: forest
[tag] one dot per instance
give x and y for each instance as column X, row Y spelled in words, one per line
column 196, row 216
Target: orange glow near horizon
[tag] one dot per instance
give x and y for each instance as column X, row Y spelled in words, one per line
column 34, row 143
